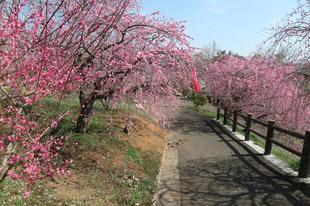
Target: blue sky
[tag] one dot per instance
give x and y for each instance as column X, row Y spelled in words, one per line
column 237, row 25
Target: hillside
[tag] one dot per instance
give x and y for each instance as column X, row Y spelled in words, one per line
column 110, row 166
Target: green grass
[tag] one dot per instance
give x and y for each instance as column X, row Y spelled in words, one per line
column 204, row 110
column 11, row 194
column 257, row 140
column 211, row 115
column 134, row 155
column 292, row 160
column 146, row 187
column 151, row 163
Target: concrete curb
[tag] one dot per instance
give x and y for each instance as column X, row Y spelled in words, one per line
column 155, row 198
column 168, row 189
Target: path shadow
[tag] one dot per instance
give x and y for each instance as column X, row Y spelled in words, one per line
column 243, row 178
column 169, row 194
column 190, row 121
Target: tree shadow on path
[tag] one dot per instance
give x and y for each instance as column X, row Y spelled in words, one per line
column 238, row 176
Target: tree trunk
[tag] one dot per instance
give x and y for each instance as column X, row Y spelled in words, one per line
column 5, row 167
column 85, row 114
column 86, row 103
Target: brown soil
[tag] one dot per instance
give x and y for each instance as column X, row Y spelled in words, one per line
column 145, row 134
column 102, row 167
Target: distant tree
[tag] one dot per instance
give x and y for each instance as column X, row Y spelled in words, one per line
column 203, row 56
column 291, row 36
column 210, row 51
column 223, row 53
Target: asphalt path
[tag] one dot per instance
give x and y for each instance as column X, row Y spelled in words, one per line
column 214, row 168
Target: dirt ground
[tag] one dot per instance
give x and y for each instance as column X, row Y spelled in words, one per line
column 145, row 134
column 101, row 170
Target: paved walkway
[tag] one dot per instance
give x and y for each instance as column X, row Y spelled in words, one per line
column 216, row 169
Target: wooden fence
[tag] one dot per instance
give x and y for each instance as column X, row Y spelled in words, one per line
column 304, row 169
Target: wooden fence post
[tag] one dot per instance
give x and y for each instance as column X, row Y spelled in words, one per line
column 225, row 116
column 235, row 119
column 268, row 145
column 304, row 170
column 218, row 109
column 248, row 127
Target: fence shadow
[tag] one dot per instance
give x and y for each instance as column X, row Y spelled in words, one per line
column 237, row 179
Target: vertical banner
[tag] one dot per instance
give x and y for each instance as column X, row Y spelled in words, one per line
column 195, row 81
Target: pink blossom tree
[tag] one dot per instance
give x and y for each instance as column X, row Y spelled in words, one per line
column 31, row 67
column 262, row 87
column 102, row 49
column 141, row 58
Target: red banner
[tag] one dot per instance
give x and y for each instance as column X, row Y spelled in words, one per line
column 195, row 81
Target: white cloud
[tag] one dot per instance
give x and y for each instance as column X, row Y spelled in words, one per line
column 214, row 6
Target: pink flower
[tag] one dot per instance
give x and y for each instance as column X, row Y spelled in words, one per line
column 54, row 124
column 1, row 146
column 28, row 101
column 13, row 175
column 27, row 194
column 15, row 159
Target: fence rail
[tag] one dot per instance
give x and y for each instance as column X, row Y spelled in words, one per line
column 304, row 169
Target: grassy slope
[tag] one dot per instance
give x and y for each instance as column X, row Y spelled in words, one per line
column 108, row 167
